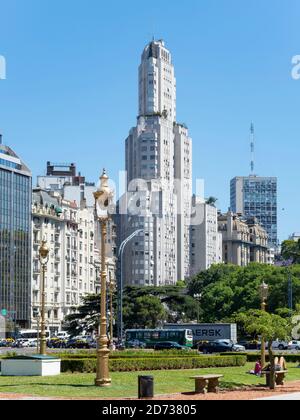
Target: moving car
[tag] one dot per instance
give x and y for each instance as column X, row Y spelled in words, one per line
column 276, row 345
column 294, row 345
column 62, row 335
column 280, row 345
column 77, row 343
column 222, row 346
column 21, row 343
column 56, row 343
column 32, row 343
column 169, row 345
column 136, row 344
column 249, row 344
column 3, row 343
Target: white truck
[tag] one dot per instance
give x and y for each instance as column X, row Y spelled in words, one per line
column 209, row 332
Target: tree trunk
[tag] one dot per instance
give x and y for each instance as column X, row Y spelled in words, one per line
column 272, row 366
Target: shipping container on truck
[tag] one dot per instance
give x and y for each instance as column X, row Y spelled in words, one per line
column 208, row 332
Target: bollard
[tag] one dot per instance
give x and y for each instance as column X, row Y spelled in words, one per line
column 146, row 387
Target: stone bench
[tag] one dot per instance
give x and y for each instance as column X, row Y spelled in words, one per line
column 279, row 377
column 207, row 383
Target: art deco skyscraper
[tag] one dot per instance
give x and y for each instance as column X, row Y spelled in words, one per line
column 159, row 168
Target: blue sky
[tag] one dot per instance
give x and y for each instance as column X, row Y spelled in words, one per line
column 71, row 88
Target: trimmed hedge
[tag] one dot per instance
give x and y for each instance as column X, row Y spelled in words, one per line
column 133, row 355
column 252, row 357
column 130, row 365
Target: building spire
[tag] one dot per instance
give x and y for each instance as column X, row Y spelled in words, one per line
column 252, row 148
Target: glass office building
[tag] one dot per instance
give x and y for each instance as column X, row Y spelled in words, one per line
column 254, row 196
column 15, row 237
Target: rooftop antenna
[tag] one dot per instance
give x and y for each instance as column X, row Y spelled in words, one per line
column 252, row 147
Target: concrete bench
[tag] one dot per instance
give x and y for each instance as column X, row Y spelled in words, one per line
column 207, row 383
column 279, row 377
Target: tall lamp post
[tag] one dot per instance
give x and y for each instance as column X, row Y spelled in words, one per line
column 44, row 258
column 103, row 200
column 198, row 297
column 264, row 291
column 121, row 282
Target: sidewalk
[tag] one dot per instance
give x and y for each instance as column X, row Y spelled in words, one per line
column 291, row 391
column 289, row 397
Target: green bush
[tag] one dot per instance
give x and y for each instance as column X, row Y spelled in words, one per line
column 172, row 363
column 252, row 357
column 134, row 354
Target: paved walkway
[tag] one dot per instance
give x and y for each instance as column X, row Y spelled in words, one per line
column 291, row 391
column 289, row 397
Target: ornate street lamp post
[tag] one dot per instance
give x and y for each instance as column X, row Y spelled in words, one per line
column 44, row 258
column 264, row 291
column 103, row 201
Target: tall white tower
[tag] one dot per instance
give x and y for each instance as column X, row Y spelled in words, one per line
column 159, row 168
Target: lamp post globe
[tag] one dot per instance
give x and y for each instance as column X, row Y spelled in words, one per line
column 44, row 251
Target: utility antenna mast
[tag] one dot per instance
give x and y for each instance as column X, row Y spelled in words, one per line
column 252, row 147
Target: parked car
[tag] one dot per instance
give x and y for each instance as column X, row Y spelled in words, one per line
column 169, row 345
column 294, row 345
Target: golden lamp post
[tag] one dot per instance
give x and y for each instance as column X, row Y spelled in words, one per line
column 103, row 200
column 44, row 258
column 264, row 291
column 111, row 329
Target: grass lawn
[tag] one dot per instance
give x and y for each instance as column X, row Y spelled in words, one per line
column 125, row 384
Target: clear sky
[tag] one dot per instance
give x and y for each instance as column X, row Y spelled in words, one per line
column 71, row 88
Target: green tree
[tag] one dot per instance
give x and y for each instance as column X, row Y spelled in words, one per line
column 145, row 312
column 85, row 318
column 228, row 290
column 269, row 326
column 290, row 250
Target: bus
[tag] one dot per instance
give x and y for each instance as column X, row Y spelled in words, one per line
column 31, row 335
column 149, row 338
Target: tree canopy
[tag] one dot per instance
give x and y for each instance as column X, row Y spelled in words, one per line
column 290, row 250
column 269, row 326
column 226, row 291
